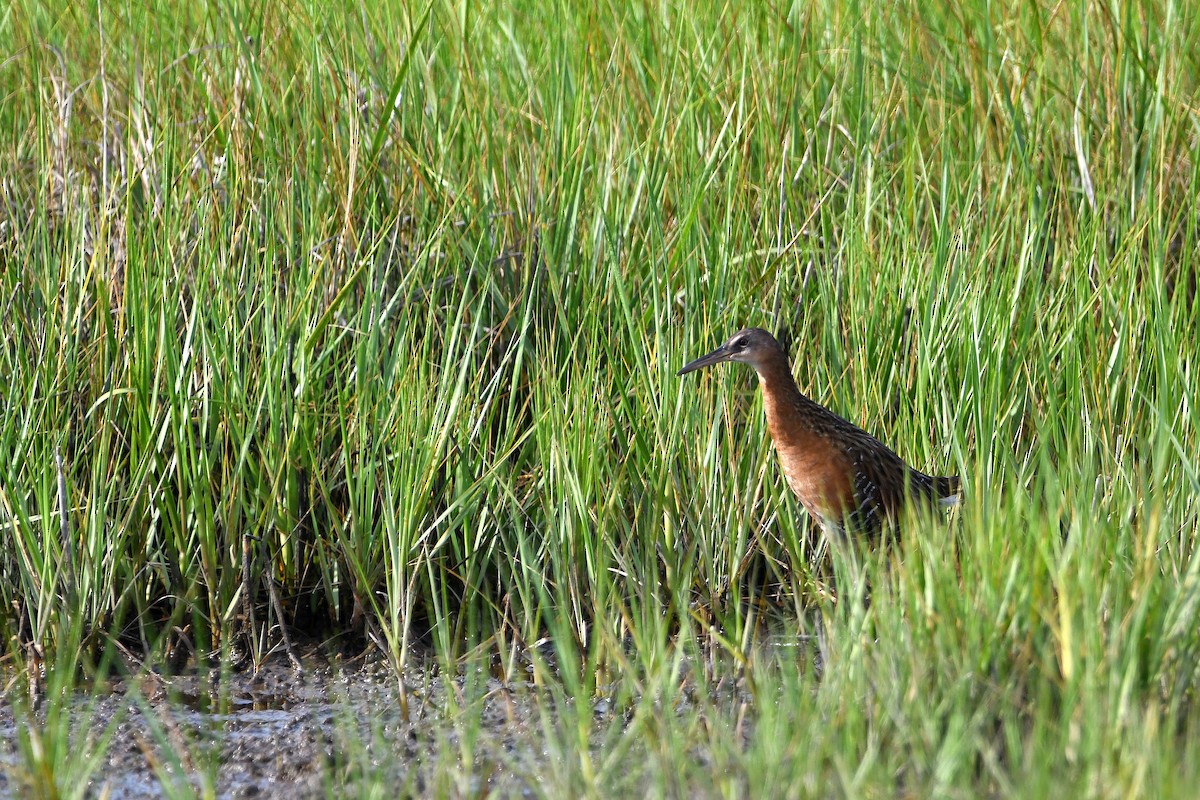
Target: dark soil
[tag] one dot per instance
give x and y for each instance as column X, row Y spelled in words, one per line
column 337, row 728
column 281, row 733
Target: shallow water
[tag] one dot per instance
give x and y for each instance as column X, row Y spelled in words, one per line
column 334, row 727
column 275, row 734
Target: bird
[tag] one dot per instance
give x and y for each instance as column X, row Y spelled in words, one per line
column 848, row 480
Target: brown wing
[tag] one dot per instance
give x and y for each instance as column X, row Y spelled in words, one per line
column 842, row 474
column 879, row 478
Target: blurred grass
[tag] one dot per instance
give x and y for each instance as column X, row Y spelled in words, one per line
column 400, row 292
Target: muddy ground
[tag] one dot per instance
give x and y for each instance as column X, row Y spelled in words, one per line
column 336, row 728
column 283, row 733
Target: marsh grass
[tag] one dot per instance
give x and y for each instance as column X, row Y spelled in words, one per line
column 399, row 292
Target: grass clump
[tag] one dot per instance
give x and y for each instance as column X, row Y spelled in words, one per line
column 379, row 309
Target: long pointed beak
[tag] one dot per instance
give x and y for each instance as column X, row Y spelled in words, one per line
column 715, row 357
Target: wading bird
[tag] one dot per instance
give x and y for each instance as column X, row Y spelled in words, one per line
column 846, row 478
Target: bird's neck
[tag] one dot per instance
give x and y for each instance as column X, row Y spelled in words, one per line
column 789, row 413
column 778, row 384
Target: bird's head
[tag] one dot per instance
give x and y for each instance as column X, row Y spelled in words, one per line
column 752, row 346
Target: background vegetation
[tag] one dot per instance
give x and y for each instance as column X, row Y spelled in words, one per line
column 380, row 305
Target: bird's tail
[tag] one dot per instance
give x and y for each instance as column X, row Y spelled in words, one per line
column 945, row 489
column 940, row 488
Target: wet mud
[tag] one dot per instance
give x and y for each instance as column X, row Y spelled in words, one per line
column 337, row 728
column 331, row 729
